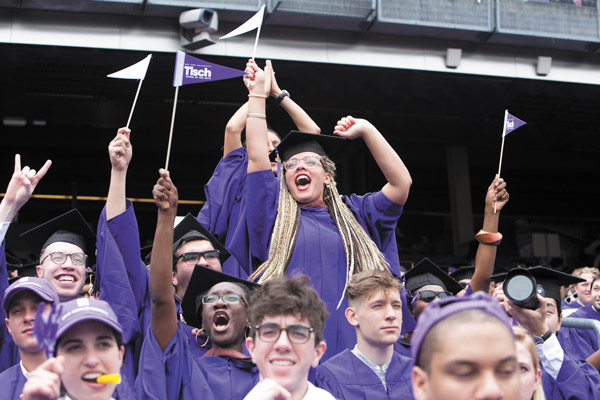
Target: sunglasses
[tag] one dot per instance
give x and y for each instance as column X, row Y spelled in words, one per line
column 428, row 296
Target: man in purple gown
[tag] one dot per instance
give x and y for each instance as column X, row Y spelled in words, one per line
column 582, row 343
column 372, row 370
column 564, row 375
column 19, row 306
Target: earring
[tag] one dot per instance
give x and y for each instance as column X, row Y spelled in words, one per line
column 207, row 338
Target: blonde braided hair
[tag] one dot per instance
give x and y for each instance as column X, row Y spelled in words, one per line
column 362, row 254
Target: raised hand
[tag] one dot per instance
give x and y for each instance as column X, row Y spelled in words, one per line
column 20, row 188
column 496, row 193
column 120, row 150
column 165, row 193
column 351, row 128
column 533, row 321
column 275, row 90
column 44, row 381
column 258, row 81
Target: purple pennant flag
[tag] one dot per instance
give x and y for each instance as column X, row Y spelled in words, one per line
column 512, row 123
column 190, row 70
column 46, row 327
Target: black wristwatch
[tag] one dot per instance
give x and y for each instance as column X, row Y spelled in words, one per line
column 543, row 338
column 282, row 95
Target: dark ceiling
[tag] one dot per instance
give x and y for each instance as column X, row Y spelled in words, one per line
column 552, row 164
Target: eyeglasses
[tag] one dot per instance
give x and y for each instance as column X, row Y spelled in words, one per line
column 193, row 257
column 308, row 161
column 296, row 334
column 227, row 298
column 429, row 295
column 59, row 258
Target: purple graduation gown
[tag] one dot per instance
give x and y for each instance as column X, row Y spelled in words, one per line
column 225, row 192
column 580, row 343
column 122, row 280
column 347, row 377
column 177, row 374
column 12, row 381
column 118, row 256
column 576, row 380
column 402, row 347
column 566, row 306
column 9, row 353
column 319, row 252
column 228, row 378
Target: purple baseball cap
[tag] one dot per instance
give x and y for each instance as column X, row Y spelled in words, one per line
column 39, row 286
column 445, row 307
column 48, row 329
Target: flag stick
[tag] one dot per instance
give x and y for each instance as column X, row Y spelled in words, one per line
column 256, row 41
column 254, row 51
column 134, row 101
column 501, row 149
column 172, row 123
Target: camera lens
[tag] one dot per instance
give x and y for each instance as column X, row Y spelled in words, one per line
column 207, row 16
column 520, row 288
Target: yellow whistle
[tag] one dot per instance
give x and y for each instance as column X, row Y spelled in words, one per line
column 108, row 379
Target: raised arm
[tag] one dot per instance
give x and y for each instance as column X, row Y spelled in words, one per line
column 233, row 130
column 486, row 253
column 259, row 84
column 20, row 188
column 120, row 152
column 389, row 162
column 303, row 121
column 164, row 318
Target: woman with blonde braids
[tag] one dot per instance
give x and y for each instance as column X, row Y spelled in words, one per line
column 300, row 223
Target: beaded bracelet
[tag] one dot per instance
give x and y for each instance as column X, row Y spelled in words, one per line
column 256, row 115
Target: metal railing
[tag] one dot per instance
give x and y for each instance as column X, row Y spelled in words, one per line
column 571, row 20
column 582, row 323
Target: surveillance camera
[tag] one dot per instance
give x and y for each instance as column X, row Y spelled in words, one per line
column 200, row 19
column 195, row 27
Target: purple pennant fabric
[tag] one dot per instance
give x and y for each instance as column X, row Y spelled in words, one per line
column 45, row 328
column 190, row 70
column 512, row 123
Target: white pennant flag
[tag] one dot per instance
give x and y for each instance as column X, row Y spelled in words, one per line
column 136, row 71
column 252, row 23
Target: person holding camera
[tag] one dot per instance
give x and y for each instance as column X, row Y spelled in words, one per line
column 538, row 310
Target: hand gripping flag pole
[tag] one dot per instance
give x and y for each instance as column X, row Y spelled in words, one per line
column 255, row 22
column 510, row 124
column 189, row 70
column 135, row 71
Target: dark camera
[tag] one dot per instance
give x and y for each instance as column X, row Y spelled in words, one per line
column 521, row 289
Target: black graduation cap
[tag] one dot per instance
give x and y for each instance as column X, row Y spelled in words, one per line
column 12, row 262
column 499, row 277
column 464, row 272
column 69, row 227
column 201, row 281
column 23, row 269
column 297, row 142
column 190, row 229
column 551, row 280
column 427, row 273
